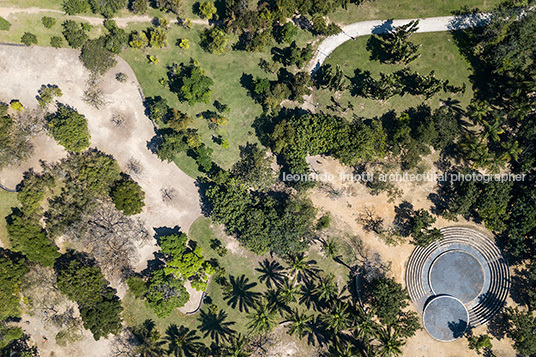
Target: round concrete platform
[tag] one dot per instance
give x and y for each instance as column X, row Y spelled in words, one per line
column 445, row 318
column 457, row 273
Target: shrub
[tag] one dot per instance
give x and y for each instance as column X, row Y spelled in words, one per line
column 47, row 94
column 16, row 105
column 323, row 222
column 73, row 7
column 137, row 286
column 214, row 40
column 207, row 10
column 56, row 41
column 48, row 22
column 69, row 128
column 128, row 196
column 121, row 77
column 184, row 43
column 4, row 24
column 28, row 39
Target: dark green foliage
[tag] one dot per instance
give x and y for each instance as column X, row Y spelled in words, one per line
column 139, row 6
column 137, row 286
column 173, row 6
column 286, row 33
column 172, row 143
column 107, row 8
column 165, row 293
column 323, row 222
column 48, row 22
column 158, row 108
column 84, row 284
column 420, row 228
column 522, row 224
column 73, row 7
column 4, row 24
column 56, row 41
column 522, row 328
column 326, row 78
column 256, row 41
column 128, row 196
column 28, row 39
column 321, row 28
column 148, row 338
column 69, row 129
column 12, row 269
column 254, row 168
column 296, row 137
column 395, row 45
column 74, row 33
column 47, row 94
column 116, row 39
column 88, row 178
column 190, row 83
column 293, row 55
column 213, row 40
column 96, row 57
column 8, row 334
column 173, row 244
column 388, row 299
column 182, row 341
column 260, row 221
column 480, row 342
column 30, row 239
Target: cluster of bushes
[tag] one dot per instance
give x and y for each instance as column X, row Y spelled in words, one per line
column 154, row 37
column 399, row 83
column 164, row 290
column 106, row 8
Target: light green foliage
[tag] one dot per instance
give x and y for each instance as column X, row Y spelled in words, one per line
column 16, row 105
column 158, row 37
column 139, row 6
column 184, row 43
column 128, row 196
column 480, row 342
column 12, row 270
column 214, row 40
column 254, row 168
column 48, row 22
column 139, row 40
column 107, row 8
column 207, row 10
column 8, row 334
column 137, row 286
column 28, row 39
column 288, row 32
column 47, row 94
column 69, row 129
column 165, row 293
column 4, row 24
column 31, row 240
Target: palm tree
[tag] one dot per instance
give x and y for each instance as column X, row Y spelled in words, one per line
column 365, row 325
column 303, row 269
column 271, row 272
column 276, row 301
column 148, row 338
column 327, row 288
column 342, row 349
column 390, row 343
column 237, row 346
column 240, row 293
column 214, row 324
column 262, row 319
column 330, row 248
column 512, row 150
column 492, row 128
column 478, row 110
column 289, row 291
column 300, row 324
column 182, row 342
column 337, row 318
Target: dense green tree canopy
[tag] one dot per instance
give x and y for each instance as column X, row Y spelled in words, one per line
column 69, row 128
column 128, row 196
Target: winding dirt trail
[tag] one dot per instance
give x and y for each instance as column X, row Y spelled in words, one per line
column 93, row 20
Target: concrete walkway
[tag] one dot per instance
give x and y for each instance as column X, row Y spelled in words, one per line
column 363, row 28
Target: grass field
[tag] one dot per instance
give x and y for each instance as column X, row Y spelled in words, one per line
column 438, row 53
column 7, row 200
column 405, row 9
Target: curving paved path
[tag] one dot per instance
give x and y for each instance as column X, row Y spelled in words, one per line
column 363, row 28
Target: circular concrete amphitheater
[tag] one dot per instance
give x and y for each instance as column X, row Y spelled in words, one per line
column 457, row 282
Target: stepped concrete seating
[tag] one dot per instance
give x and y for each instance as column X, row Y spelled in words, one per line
column 474, row 248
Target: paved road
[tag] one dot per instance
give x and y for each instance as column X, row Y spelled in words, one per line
column 363, row 28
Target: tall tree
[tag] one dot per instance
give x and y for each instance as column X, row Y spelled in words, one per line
column 181, row 341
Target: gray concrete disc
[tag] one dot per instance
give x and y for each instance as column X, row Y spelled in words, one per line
column 445, row 318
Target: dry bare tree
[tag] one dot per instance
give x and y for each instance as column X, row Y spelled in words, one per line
column 110, row 237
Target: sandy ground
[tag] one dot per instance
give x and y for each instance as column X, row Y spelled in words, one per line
column 345, row 211
column 22, row 72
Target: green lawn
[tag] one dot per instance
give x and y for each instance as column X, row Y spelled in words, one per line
column 7, row 200
column 225, row 70
column 438, row 53
column 405, row 9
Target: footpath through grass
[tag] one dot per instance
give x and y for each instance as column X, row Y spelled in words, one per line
column 438, row 53
column 7, row 200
